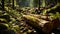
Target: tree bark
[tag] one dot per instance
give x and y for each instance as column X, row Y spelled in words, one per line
column 13, row 4
column 3, row 4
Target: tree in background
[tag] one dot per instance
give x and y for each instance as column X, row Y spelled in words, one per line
column 2, row 4
column 13, row 4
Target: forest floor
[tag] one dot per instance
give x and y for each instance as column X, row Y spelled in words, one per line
column 31, row 20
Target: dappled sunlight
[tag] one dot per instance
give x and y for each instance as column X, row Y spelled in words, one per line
column 29, row 17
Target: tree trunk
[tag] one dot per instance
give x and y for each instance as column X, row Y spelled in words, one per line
column 39, row 5
column 3, row 4
column 13, row 4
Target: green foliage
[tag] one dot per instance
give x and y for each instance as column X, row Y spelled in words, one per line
column 17, row 23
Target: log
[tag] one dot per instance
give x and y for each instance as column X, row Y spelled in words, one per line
column 46, row 26
column 44, row 17
column 36, row 23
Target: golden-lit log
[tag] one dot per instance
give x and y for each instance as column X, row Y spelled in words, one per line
column 39, row 23
column 46, row 26
column 44, row 17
